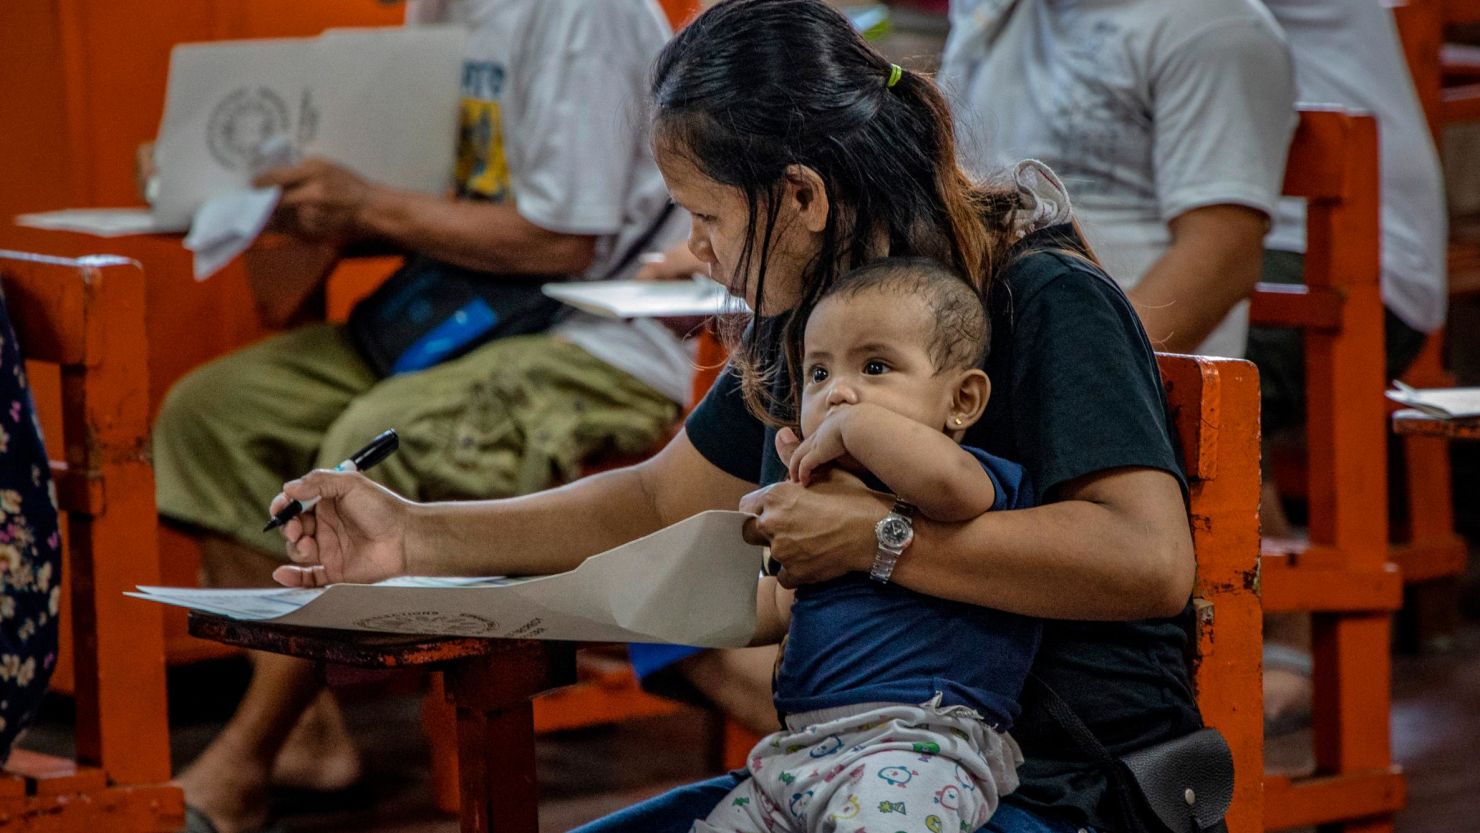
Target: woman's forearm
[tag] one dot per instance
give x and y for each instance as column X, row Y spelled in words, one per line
column 555, row 530
column 546, row 532
column 1084, row 558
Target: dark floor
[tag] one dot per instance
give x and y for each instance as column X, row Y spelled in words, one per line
column 1436, row 732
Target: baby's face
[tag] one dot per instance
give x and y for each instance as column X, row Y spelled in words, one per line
column 873, row 347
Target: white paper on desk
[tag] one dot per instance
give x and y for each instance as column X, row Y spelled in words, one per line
column 99, row 222
column 1443, row 403
column 692, row 583
column 644, row 299
column 383, row 102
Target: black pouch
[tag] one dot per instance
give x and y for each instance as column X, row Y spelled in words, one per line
column 1183, row 785
column 429, row 312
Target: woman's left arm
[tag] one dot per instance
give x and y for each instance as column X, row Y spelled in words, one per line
column 1113, row 545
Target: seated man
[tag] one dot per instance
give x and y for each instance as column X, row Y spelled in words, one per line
column 1169, row 124
column 554, row 180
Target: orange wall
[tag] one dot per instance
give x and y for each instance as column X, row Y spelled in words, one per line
column 82, row 82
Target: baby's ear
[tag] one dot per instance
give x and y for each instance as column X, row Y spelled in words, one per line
column 786, row 444
column 973, row 389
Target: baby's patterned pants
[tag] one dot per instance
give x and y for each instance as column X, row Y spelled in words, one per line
column 879, row 768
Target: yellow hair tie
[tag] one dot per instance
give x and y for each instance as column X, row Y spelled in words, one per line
column 895, row 73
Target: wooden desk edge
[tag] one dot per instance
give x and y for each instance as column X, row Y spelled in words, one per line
column 361, row 649
column 1415, row 423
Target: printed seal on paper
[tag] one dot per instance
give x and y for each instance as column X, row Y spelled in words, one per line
column 241, row 122
column 434, row 622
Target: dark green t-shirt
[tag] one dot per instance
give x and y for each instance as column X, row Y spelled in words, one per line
column 1075, row 390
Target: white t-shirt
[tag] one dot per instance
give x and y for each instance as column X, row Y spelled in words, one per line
column 554, row 117
column 1145, row 108
column 1347, row 52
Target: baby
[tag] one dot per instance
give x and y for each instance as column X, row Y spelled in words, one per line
column 895, row 704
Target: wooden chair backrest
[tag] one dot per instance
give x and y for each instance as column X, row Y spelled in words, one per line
column 1343, row 574
column 87, row 317
column 1215, row 418
column 1333, row 163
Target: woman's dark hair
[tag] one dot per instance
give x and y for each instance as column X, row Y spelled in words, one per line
column 751, row 87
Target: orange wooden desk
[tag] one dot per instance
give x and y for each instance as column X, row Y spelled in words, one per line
column 490, row 683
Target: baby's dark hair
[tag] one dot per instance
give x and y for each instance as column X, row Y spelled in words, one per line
column 963, row 332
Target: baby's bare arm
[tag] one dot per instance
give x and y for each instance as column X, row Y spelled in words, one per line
column 772, row 611
column 922, row 465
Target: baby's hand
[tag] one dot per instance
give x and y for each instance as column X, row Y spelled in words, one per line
column 786, row 445
column 823, row 446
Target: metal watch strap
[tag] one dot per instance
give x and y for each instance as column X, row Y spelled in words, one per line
column 885, row 557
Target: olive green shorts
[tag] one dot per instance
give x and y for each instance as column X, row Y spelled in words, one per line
column 512, row 417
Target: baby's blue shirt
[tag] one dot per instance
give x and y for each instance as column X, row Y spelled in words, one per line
column 854, row 640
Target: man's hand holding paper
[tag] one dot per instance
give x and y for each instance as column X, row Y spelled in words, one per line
column 321, row 200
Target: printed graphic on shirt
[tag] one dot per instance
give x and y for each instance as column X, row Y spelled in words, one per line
column 482, row 169
column 1100, row 137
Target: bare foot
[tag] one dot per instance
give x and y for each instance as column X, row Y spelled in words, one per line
column 1287, row 698
column 227, row 787
column 319, row 754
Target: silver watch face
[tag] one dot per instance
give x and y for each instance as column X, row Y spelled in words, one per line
column 895, row 531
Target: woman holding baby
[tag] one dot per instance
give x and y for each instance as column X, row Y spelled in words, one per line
column 802, row 155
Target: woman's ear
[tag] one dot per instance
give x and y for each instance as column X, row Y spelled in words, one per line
column 807, row 196
column 969, row 400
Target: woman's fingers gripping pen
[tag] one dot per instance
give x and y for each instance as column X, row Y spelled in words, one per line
column 376, row 450
column 298, row 507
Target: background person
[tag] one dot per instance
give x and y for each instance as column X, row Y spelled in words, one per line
column 1169, row 122
column 555, row 179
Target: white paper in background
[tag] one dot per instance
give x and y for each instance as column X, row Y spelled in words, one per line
column 1444, row 403
column 99, row 222
column 645, row 299
column 382, row 102
column 692, row 583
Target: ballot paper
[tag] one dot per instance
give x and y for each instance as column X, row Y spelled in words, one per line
column 646, row 299
column 692, row 583
column 1442, row 403
column 382, row 102
column 225, row 225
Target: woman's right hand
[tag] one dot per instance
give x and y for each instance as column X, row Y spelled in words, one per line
column 356, row 533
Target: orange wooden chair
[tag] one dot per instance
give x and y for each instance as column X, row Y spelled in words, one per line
column 1342, row 575
column 1428, row 547
column 1215, row 418
column 86, row 317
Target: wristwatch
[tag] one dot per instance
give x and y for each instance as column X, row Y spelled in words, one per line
column 894, row 532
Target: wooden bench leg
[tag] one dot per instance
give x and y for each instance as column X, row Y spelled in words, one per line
column 439, row 724
column 495, row 734
column 496, row 768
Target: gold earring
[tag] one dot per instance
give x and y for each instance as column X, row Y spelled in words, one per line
column 959, row 420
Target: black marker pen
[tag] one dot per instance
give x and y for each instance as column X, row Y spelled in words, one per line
column 378, row 449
